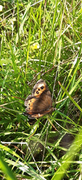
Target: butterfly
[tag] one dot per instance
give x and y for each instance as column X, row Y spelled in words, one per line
column 39, row 102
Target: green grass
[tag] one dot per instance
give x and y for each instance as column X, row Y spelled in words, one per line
column 41, row 40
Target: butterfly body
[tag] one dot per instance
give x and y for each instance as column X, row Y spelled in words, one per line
column 40, row 102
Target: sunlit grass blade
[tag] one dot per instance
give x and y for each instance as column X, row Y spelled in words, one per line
column 72, row 151
column 70, row 97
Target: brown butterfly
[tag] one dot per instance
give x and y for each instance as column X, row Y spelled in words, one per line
column 40, row 102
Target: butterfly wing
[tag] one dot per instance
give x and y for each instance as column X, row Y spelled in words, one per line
column 40, row 102
column 39, row 88
column 29, row 103
column 43, row 103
